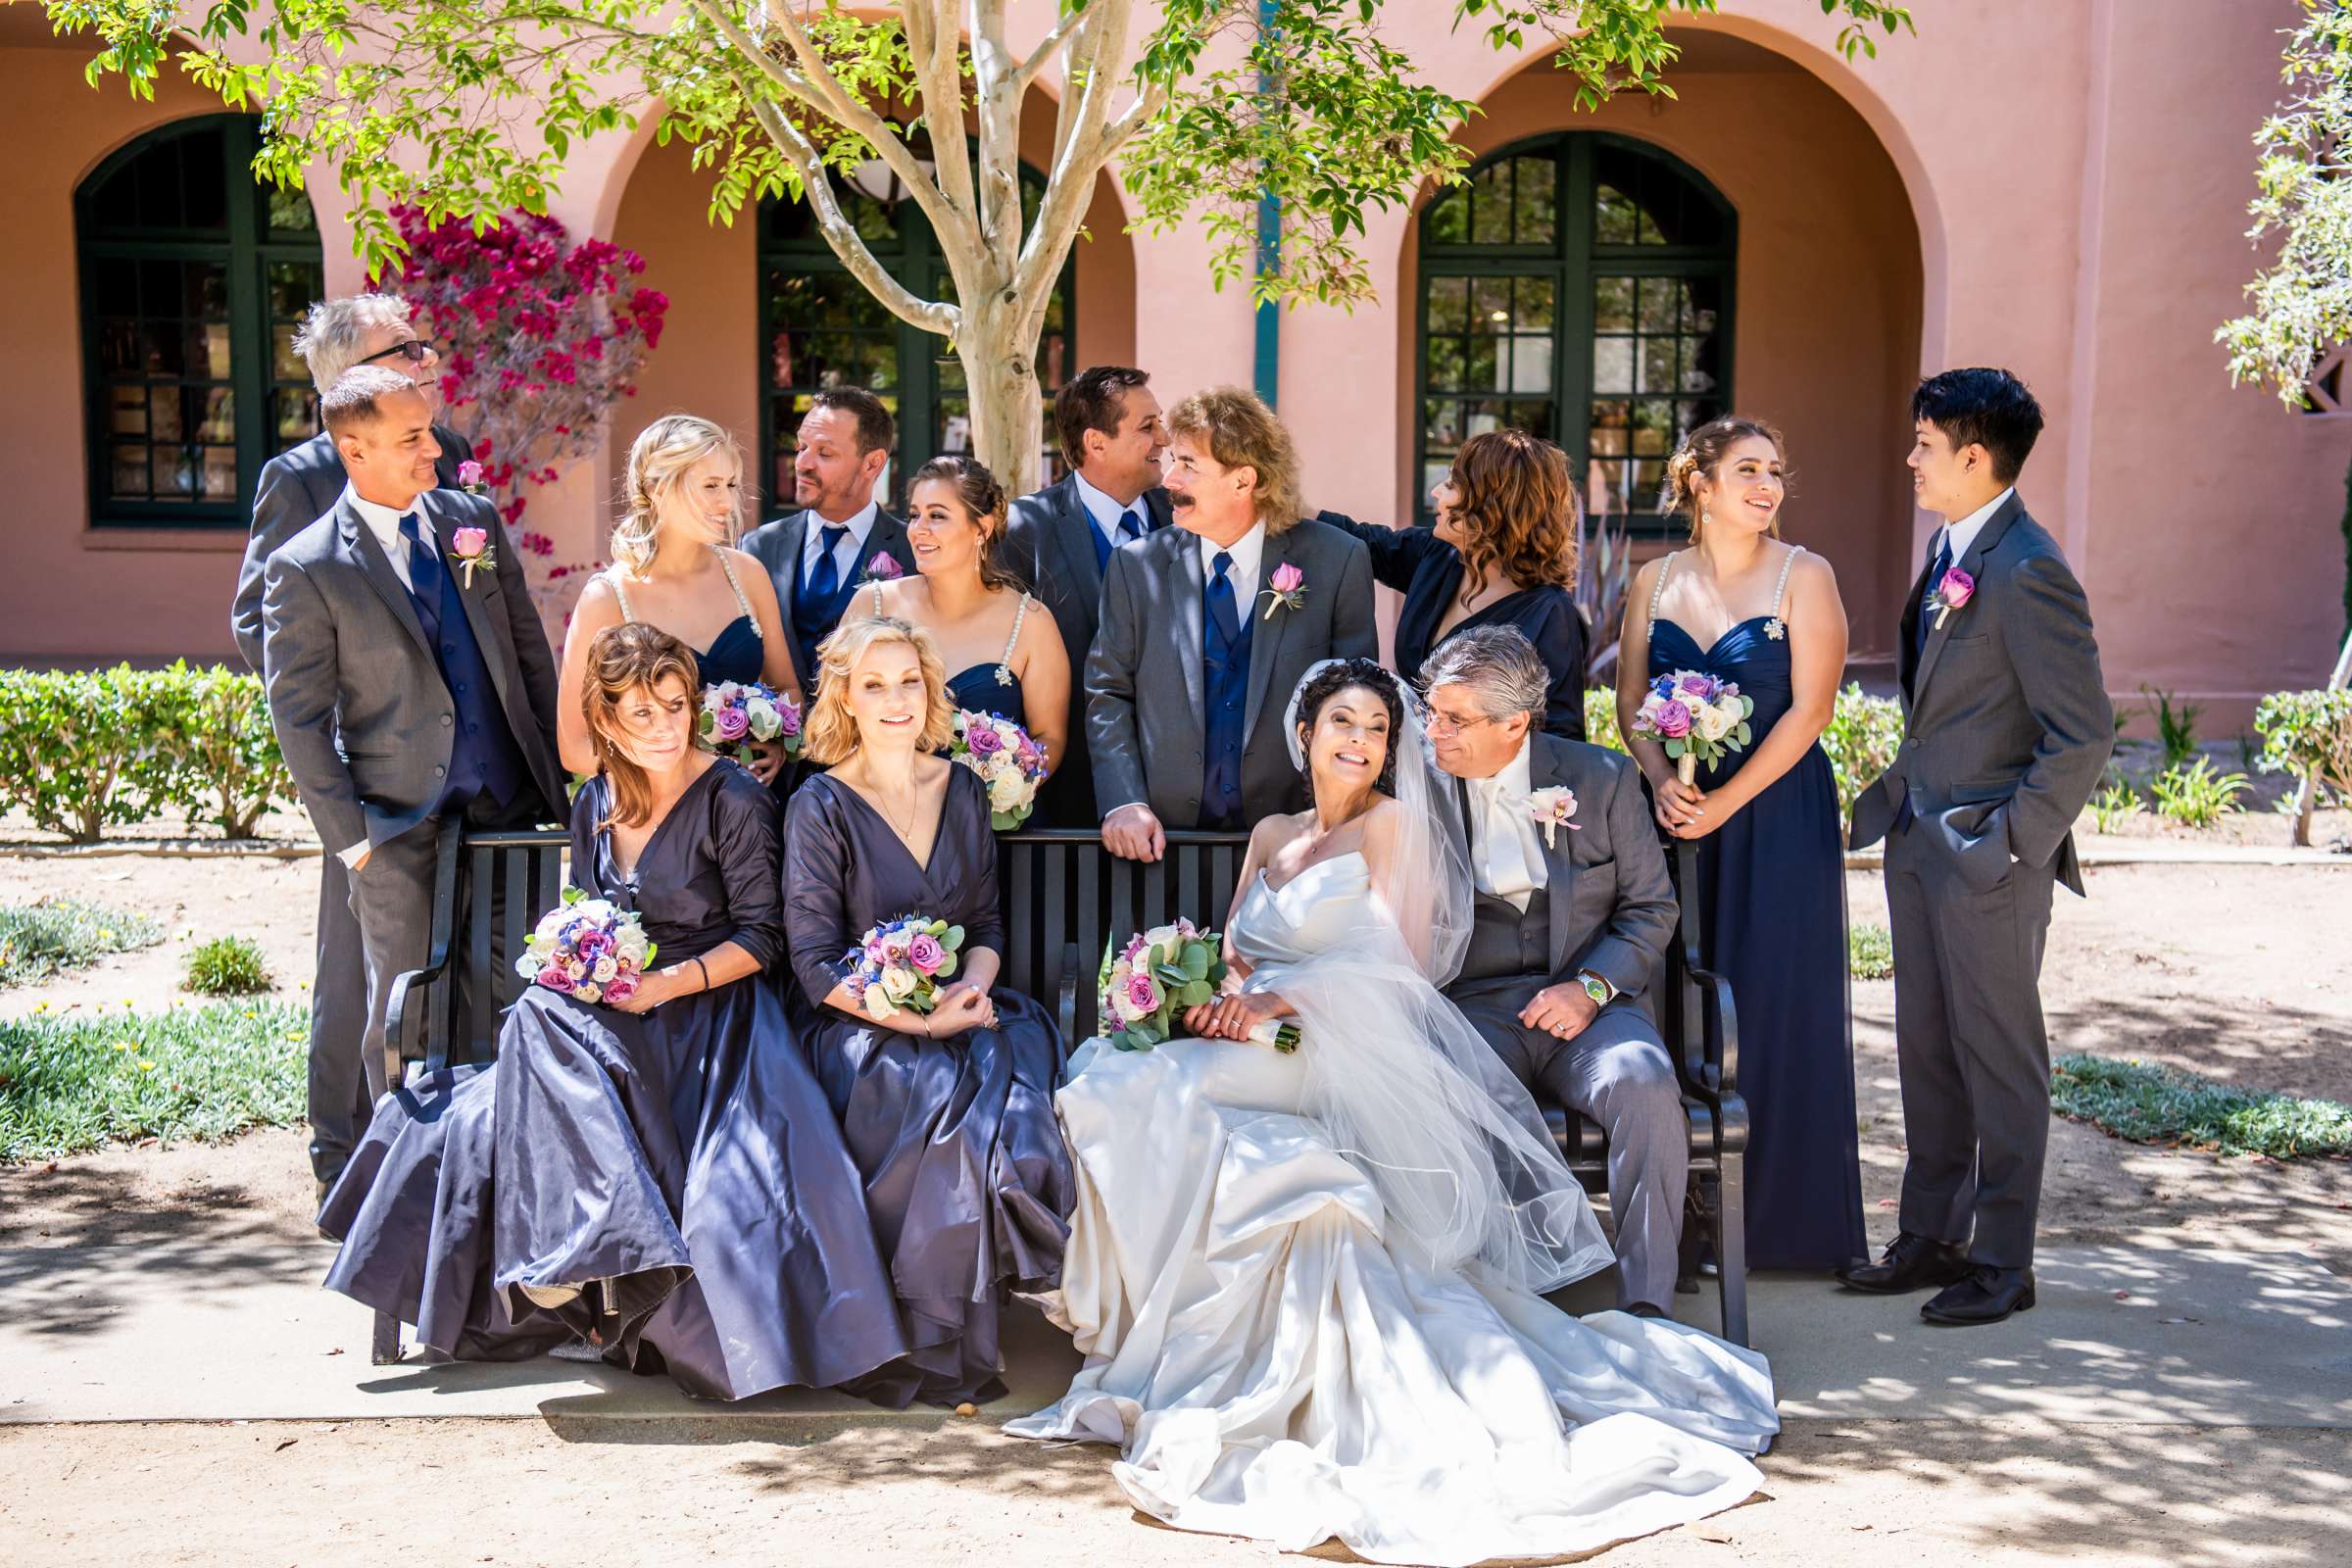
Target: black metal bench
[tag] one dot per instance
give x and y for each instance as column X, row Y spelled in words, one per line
column 1065, row 897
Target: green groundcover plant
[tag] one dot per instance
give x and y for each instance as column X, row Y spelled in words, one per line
column 36, row 939
column 71, row 1084
column 2151, row 1104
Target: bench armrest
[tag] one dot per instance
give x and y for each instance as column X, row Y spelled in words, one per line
column 409, row 1032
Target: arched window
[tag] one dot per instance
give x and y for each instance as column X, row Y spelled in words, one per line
column 1580, row 287
column 821, row 330
column 193, row 280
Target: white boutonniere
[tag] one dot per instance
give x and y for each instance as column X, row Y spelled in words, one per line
column 1551, row 807
column 1284, row 589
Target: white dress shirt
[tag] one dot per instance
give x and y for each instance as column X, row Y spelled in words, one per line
column 1958, row 536
column 1104, row 512
column 1506, row 860
column 848, row 556
column 1249, row 554
column 384, row 524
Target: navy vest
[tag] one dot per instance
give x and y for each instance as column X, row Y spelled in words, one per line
column 813, row 618
column 1225, row 698
column 483, row 758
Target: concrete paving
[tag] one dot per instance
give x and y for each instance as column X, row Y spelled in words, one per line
column 236, row 1331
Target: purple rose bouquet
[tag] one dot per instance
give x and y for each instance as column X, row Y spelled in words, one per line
column 735, row 714
column 901, row 963
column 1157, row 974
column 1695, row 719
column 586, row 948
column 1007, row 760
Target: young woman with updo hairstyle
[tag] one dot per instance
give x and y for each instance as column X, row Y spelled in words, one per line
column 948, row 1113
column 1745, row 607
column 1005, row 653
column 674, row 565
column 1503, row 552
column 657, row 1174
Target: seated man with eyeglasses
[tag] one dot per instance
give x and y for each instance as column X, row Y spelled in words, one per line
column 297, row 488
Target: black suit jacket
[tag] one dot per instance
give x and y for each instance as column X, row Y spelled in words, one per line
column 298, row 487
column 777, row 546
column 1049, row 539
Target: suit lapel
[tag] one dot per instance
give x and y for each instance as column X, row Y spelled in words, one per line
column 888, row 536
column 1191, row 637
column 358, row 545
column 1559, row 862
column 488, row 635
column 1073, row 533
column 1972, row 563
column 1265, row 641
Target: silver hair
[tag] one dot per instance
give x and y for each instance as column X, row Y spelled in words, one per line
column 1498, row 665
column 332, row 335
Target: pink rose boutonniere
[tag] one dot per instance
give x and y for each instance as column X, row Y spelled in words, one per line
column 471, row 548
column 470, row 478
column 883, row 568
column 1953, row 593
column 1284, row 589
column 1551, row 807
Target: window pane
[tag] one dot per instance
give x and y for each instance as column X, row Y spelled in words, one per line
column 1443, row 359
column 1535, row 223
column 1613, row 217
column 1532, row 304
column 290, row 212
column 1612, row 364
column 1491, row 206
column 1660, row 300
column 1448, row 304
column 1531, row 363
column 1612, row 304
column 126, row 473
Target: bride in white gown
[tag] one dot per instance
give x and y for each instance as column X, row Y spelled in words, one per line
column 1308, row 1286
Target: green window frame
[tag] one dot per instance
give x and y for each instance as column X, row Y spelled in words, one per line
column 193, row 280
column 819, row 329
column 1579, row 286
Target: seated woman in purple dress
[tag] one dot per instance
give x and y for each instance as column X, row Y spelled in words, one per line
column 661, row 1176
column 949, row 1114
column 1501, row 551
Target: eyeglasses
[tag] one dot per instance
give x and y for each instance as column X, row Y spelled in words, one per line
column 1447, row 725
column 416, row 351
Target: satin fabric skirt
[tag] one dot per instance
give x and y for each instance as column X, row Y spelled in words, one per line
column 679, row 1170
column 1271, row 1368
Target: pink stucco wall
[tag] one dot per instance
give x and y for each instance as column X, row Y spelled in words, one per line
column 2056, row 187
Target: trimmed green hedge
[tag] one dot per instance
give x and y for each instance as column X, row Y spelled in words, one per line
column 85, row 750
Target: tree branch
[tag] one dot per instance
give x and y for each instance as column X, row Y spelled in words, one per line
column 934, row 38
column 1046, row 48
column 1080, row 151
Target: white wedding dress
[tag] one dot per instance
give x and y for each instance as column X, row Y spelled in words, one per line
column 1292, row 1339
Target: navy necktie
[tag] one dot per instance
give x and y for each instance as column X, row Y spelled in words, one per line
column 824, row 578
column 1927, row 600
column 425, row 578
column 1220, row 600
column 1131, row 525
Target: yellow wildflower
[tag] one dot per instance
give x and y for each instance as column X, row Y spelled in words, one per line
column 146, row 1066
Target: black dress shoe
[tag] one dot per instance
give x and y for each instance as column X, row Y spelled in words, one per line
column 1645, row 1309
column 1987, row 1295
column 1910, row 1262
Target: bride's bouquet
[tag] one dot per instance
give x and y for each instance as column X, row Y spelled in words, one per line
column 736, row 713
column 900, row 963
column 1158, row 973
column 587, row 948
column 1695, row 717
column 1008, row 762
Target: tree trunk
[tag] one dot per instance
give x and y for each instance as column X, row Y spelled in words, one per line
column 2307, row 791
column 999, row 374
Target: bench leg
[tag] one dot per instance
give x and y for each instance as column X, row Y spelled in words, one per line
column 385, row 1350
column 1731, row 1248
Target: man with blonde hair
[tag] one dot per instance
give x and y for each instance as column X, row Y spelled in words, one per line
column 1203, row 623
column 297, row 488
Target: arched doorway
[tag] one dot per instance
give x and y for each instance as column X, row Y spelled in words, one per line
column 1579, row 286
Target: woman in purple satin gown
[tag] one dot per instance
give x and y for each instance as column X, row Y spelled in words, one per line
column 1744, row 607
column 950, row 1113
column 662, row 1177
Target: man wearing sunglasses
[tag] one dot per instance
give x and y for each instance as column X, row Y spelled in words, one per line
column 296, row 488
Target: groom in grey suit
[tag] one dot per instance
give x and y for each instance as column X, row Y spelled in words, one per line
column 1200, row 623
column 2008, row 727
column 404, row 688
column 1567, row 934
column 297, row 488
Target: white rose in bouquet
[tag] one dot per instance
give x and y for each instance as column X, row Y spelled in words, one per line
column 1007, row 789
column 898, row 982
column 1163, row 936
column 1712, row 724
column 877, row 1002
column 606, row 969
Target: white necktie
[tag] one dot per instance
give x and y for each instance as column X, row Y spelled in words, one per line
column 1503, row 865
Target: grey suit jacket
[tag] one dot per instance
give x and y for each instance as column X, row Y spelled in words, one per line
column 1049, row 539
column 356, row 693
column 296, row 488
column 777, row 546
column 2008, row 722
column 1144, row 703
column 1612, row 901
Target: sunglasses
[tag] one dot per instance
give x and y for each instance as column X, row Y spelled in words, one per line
column 416, row 351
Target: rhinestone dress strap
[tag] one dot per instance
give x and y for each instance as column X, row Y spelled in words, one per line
column 1779, row 593
column 877, row 587
column 741, row 603
column 622, row 594
column 1020, row 613
column 1657, row 590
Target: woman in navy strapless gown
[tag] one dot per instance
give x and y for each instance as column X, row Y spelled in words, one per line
column 662, row 1178
column 1746, row 608
column 674, row 569
column 1002, row 651
column 949, row 1114
column 1501, row 553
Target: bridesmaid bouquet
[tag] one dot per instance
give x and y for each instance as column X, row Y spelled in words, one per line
column 736, row 713
column 1696, row 719
column 1160, row 971
column 900, row 963
column 1007, row 760
column 588, row 949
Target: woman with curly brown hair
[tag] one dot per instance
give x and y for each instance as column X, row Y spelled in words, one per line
column 1501, row 553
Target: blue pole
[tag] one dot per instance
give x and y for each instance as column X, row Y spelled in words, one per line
column 1266, row 368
